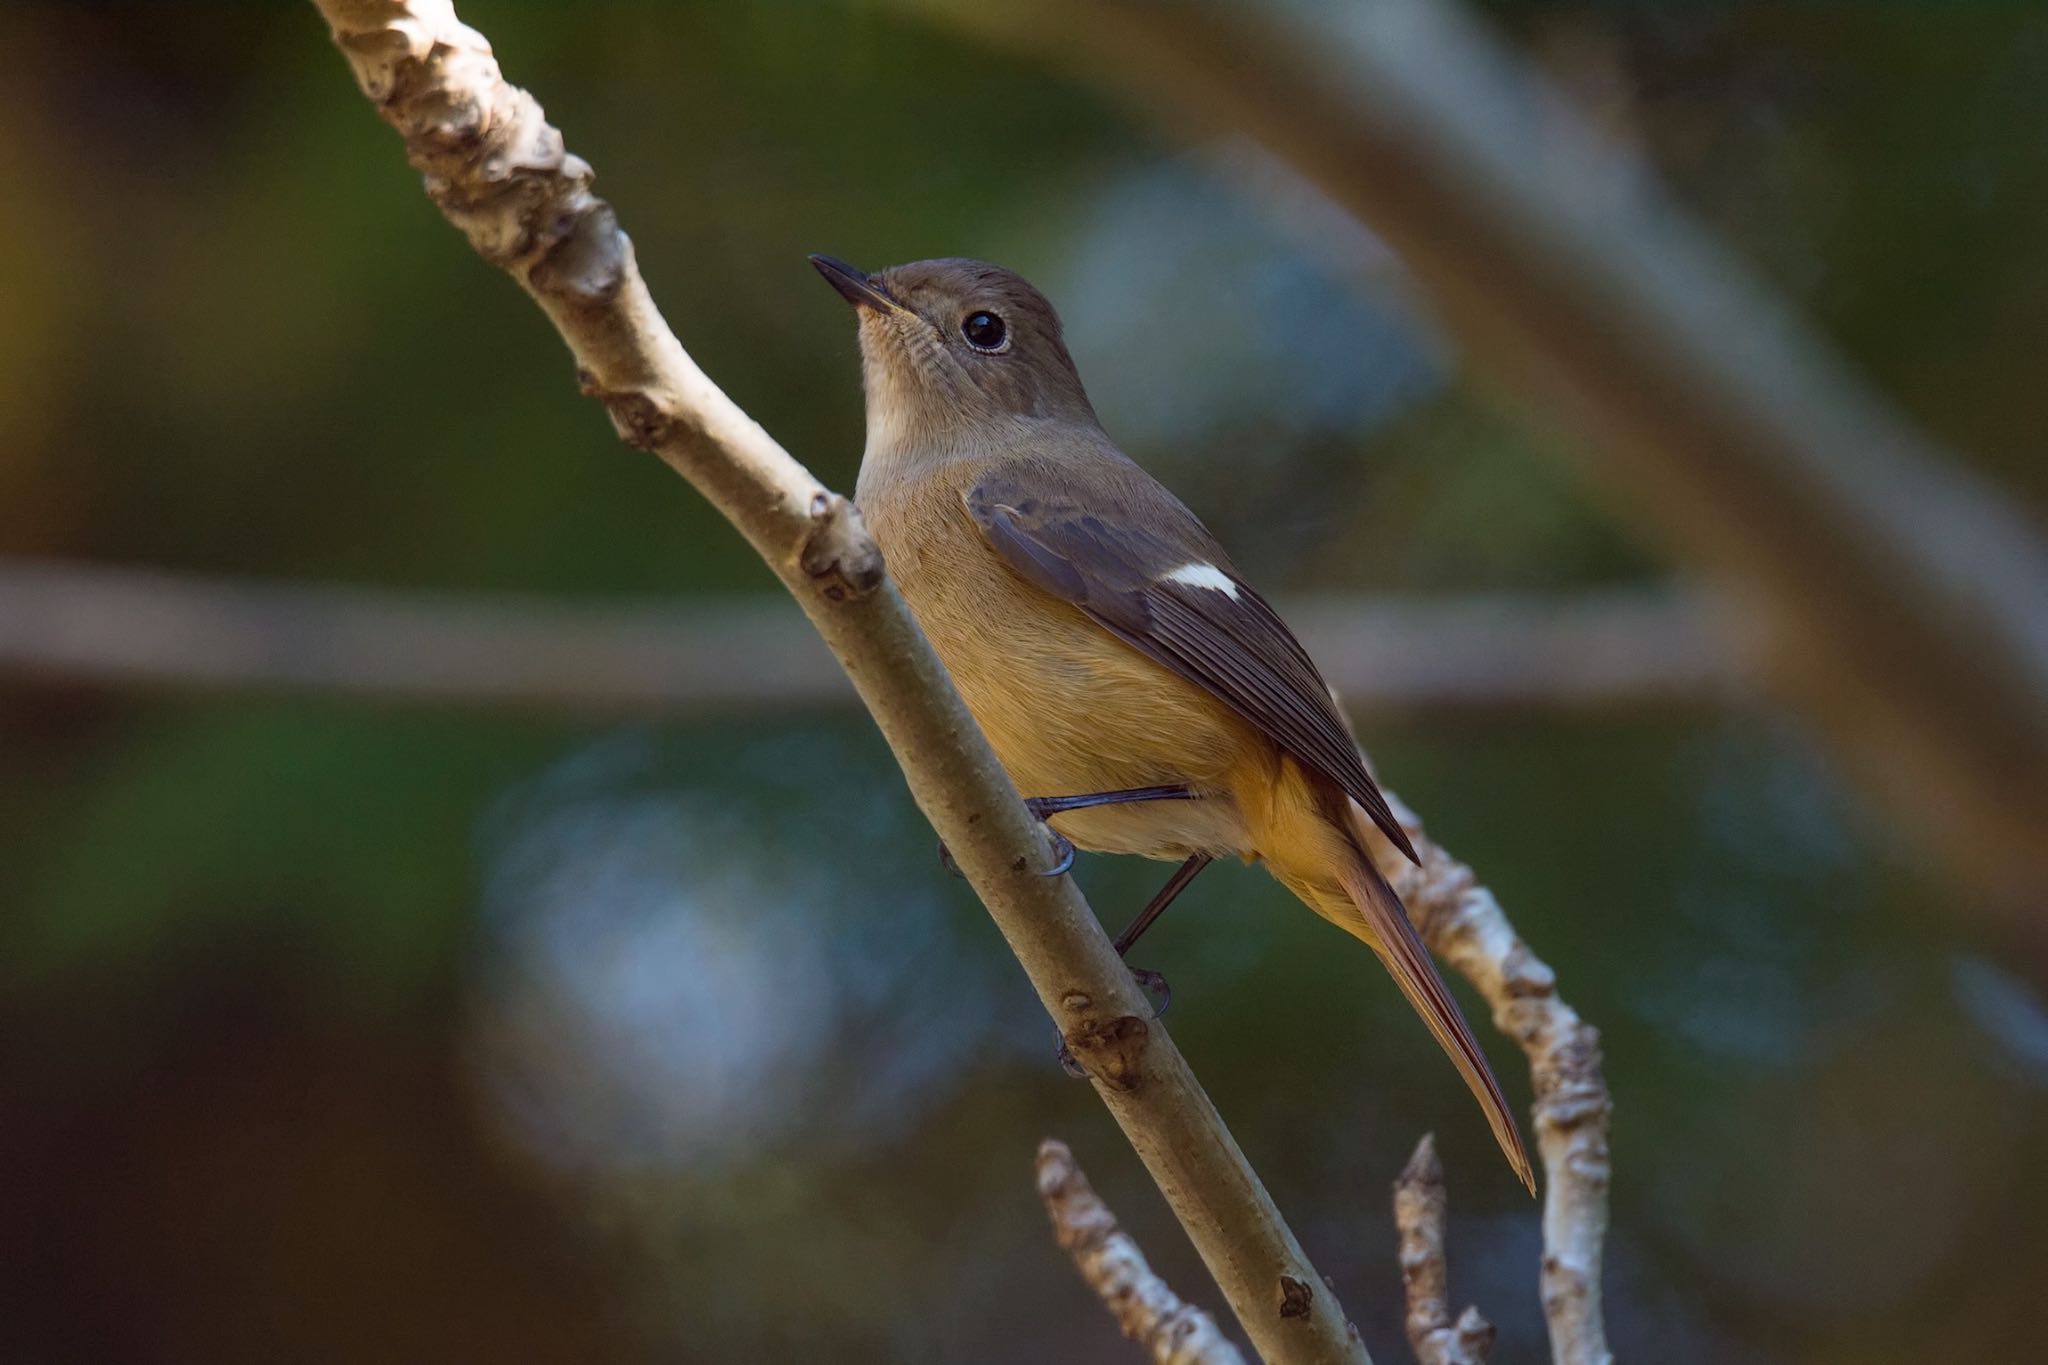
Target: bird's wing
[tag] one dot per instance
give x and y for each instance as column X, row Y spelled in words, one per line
column 1149, row 572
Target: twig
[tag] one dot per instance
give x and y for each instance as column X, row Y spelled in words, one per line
column 1464, row 925
column 1903, row 599
column 1420, row 1202
column 101, row 623
column 500, row 173
column 1146, row 1309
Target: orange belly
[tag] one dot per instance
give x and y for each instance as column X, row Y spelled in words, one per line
column 1069, row 708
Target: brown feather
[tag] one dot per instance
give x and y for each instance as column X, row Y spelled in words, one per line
column 1408, row 961
column 1113, row 560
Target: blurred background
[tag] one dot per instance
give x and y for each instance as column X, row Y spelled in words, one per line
column 339, row 1027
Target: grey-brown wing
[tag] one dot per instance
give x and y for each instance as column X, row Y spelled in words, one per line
column 1209, row 627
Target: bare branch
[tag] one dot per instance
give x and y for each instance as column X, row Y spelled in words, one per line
column 90, row 622
column 1146, row 1309
column 500, row 173
column 142, row 627
column 1464, row 925
column 1420, row 1205
column 1903, row 599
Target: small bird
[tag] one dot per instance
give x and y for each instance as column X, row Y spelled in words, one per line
column 1137, row 689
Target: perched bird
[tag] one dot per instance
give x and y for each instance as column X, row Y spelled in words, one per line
column 1137, row 689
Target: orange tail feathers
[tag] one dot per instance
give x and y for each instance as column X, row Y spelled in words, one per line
column 1401, row 949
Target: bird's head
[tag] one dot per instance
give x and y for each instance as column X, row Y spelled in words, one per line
column 950, row 348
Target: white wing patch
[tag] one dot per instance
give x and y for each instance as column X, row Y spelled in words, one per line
column 1197, row 574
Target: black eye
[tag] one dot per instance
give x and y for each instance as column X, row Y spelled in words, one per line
column 985, row 331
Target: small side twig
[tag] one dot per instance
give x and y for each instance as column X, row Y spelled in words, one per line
column 1420, row 1201
column 1172, row 1331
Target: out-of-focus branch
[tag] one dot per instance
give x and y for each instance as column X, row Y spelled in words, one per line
column 97, row 623
column 143, row 627
column 1464, row 925
column 1906, row 606
column 1171, row 1330
column 500, row 173
column 1420, row 1206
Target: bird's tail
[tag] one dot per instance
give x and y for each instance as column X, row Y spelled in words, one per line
column 1394, row 938
column 1364, row 905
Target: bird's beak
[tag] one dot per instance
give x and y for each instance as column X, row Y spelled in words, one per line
column 855, row 286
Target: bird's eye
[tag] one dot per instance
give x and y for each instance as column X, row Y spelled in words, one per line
column 985, row 332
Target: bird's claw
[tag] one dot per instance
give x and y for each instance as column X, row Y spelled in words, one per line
column 1062, row 849
column 1066, row 1059
column 1156, row 989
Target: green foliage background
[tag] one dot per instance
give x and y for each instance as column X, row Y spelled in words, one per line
column 343, row 1032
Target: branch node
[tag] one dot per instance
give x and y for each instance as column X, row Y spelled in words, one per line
column 1296, row 1297
column 1526, row 975
column 1474, row 1334
column 639, row 418
column 839, row 554
column 588, row 257
column 1112, row 1050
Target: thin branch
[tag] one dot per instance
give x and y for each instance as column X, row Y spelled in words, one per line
column 1172, row 1331
column 500, row 173
column 1903, row 598
column 100, row 623
column 1420, row 1206
column 1464, row 925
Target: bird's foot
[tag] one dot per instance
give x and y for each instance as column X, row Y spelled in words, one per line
column 1045, row 807
column 1156, row 989
column 1066, row 1057
column 1062, row 855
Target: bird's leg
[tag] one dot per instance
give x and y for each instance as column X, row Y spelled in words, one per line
column 1156, row 907
column 1154, row 983
column 1044, row 807
column 1151, row 982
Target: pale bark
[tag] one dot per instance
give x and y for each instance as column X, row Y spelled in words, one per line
column 1598, row 651
column 1145, row 1308
column 500, row 173
column 1421, row 1206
